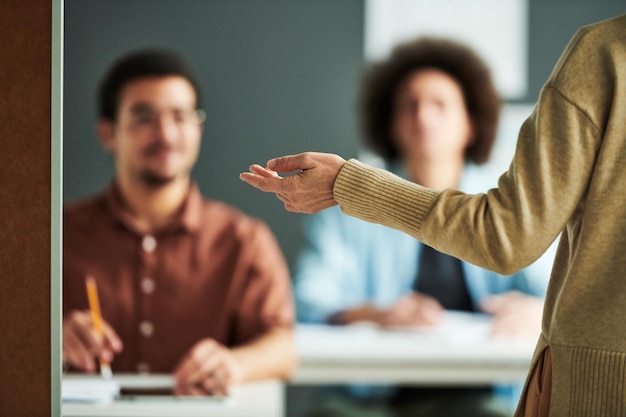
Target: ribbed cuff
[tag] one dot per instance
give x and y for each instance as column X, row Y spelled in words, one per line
column 378, row 196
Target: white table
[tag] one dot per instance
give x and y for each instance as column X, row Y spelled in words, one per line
column 262, row 399
column 460, row 352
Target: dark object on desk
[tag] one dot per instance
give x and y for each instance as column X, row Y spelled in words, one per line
column 165, row 394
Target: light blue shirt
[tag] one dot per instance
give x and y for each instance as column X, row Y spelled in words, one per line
column 348, row 262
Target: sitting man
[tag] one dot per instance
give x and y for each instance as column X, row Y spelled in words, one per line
column 187, row 285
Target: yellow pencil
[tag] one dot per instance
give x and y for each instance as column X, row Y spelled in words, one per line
column 96, row 318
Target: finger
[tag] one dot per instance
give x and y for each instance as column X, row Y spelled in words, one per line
column 82, row 326
column 400, row 307
column 221, row 391
column 264, row 172
column 267, row 184
column 420, row 310
column 432, row 316
column 88, row 344
column 432, row 304
column 290, row 163
column 197, row 361
column 417, row 302
column 75, row 353
column 504, row 326
column 185, row 368
column 216, row 384
column 397, row 315
column 492, row 304
column 511, row 321
column 205, row 370
column 525, row 319
column 431, row 310
column 501, row 302
column 388, row 320
column 405, row 301
column 111, row 338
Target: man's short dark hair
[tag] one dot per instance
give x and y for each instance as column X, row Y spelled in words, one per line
column 381, row 81
column 136, row 65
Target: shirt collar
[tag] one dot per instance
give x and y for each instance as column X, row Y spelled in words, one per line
column 186, row 219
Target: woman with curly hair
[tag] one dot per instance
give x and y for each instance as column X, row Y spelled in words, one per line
column 430, row 111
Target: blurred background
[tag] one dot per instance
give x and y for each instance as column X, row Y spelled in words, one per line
column 281, row 76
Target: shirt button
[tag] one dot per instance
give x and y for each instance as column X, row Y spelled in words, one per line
column 146, row 328
column 148, row 243
column 148, row 285
column 143, row 368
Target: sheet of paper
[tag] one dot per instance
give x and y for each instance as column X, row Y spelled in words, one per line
column 89, row 390
column 461, row 336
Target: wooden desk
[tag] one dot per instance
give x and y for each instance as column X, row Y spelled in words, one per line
column 262, row 399
column 460, row 352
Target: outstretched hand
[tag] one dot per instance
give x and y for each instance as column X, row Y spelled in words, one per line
column 309, row 190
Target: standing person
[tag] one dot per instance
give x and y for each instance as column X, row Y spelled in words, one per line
column 187, row 286
column 567, row 175
column 431, row 112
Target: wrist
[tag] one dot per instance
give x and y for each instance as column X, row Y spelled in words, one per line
column 238, row 370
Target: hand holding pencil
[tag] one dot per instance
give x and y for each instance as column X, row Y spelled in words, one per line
column 96, row 319
column 89, row 340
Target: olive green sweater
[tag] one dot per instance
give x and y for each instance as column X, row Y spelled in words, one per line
column 568, row 175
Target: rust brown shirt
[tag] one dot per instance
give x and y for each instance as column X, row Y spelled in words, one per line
column 213, row 272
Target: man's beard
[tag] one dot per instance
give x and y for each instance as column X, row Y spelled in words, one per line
column 150, row 178
column 153, row 180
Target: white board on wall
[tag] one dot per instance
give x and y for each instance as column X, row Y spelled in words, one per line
column 496, row 29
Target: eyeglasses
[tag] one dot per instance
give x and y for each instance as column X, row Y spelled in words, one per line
column 145, row 116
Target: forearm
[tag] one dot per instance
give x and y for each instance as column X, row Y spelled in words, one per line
column 497, row 230
column 272, row 355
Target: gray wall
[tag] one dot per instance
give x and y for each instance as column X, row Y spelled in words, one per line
column 279, row 76
column 551, row 24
